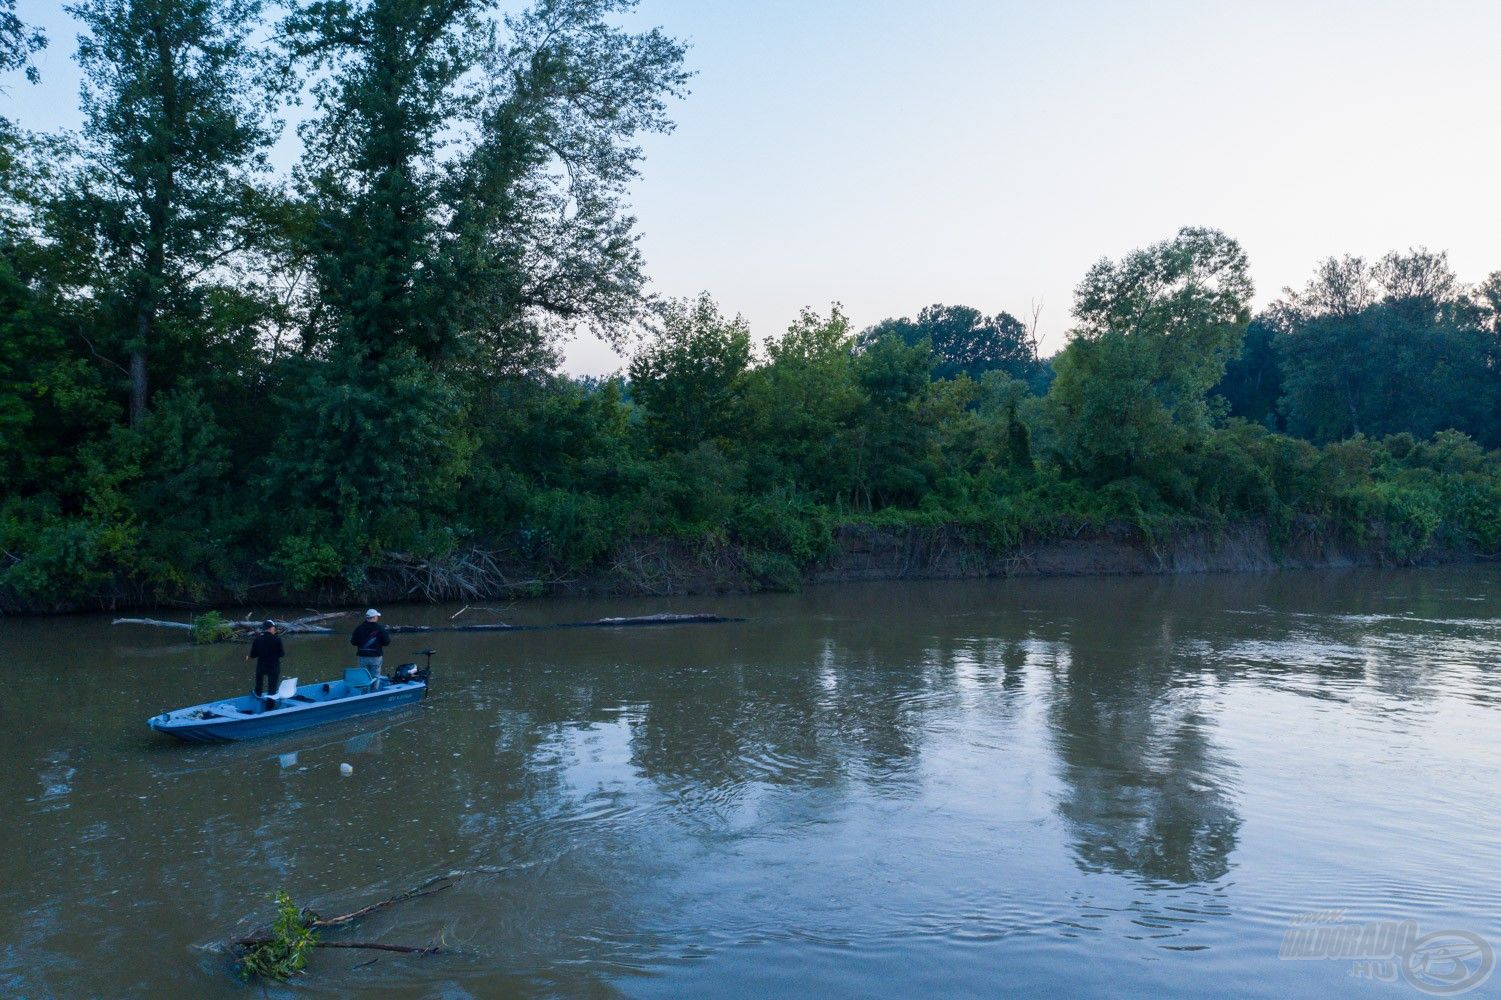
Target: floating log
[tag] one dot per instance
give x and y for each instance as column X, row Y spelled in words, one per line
column 296, row 625
column 156, row 622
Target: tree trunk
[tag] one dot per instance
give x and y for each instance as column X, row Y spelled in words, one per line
column 137, row 387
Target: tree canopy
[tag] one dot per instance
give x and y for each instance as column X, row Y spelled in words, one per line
column 966, row 341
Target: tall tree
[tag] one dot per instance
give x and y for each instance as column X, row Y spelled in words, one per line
column 176, row 108
column 468, row 170
column 1154, row 332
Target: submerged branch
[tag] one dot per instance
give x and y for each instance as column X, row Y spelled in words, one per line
column 284, row 952
column 405, row 949
column 421, row 890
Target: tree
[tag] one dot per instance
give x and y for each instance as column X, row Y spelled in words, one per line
column 966, row 341
column 467, row 172
column 685, row 378
column 1252, row 384
column 796, row 411
column 1154, row 332
column 893, row 442
column 1385, row 348
column 176, row 106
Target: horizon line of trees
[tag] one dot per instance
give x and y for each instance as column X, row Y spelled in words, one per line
column 218, row 379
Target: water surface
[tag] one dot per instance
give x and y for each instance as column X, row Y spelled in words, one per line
column 1057, row 787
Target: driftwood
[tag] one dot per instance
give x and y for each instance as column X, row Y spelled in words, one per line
column 155, row 622
column 240, row 629
column 314, row 922
column 297, row 625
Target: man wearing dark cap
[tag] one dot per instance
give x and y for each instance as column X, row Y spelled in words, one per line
column 266, row 649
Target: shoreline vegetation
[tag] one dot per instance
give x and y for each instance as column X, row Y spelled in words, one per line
column 224, row 382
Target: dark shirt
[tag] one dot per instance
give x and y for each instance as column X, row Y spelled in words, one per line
column 370, row 638
column 267, row 649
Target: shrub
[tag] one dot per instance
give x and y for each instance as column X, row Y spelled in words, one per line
column 211, row 627
column 286, row 953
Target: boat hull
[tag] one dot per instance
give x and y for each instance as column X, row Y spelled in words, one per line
column 316, row 704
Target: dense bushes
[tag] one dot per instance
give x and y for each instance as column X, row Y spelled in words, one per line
column 559, row 479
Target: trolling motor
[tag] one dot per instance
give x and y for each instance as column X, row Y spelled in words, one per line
column 408, row 672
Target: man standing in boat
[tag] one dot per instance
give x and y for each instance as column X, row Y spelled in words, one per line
column 370, row 640
column 266, row 649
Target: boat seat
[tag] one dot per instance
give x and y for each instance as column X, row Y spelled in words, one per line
column 285, row 690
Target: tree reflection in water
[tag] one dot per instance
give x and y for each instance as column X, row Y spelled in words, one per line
column 1146, row 791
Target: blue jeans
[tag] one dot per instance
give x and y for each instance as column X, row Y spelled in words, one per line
column 372, row 664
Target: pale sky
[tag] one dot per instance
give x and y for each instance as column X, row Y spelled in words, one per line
column 889, row 155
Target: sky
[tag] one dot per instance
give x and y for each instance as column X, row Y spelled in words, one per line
column 889, row 155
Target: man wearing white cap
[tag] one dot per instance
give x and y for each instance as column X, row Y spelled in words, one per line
column 370, row 640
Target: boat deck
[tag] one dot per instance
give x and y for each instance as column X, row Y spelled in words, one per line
column 250, row 716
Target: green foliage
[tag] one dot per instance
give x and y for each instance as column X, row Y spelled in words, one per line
column 210, row 627
column 1154, row 333
column 686, row 377
column 18, row 41
column 456, row 218
column 964, row 341
column 894, row 445
column 786, row 525
column 305, row 562
column 1393, row 346
column 1252, row 383
column 287, row 952
column 795, row 419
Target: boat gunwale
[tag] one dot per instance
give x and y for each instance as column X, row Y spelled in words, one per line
column 166, row 722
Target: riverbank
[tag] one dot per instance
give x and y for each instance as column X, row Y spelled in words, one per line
column 955, row 552
column 853, row 553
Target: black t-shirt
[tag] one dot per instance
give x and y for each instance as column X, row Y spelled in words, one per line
column 370, row 638
column 267, row 649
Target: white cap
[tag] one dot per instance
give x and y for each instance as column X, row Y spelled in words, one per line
column 371, row 613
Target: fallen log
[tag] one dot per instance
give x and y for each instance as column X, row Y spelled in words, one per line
column 242, row 629
column 295, row 625
column 157, row 622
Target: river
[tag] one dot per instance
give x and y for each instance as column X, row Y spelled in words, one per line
column 1078, row 787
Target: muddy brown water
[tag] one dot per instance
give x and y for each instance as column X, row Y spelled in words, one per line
column 1087, row 787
